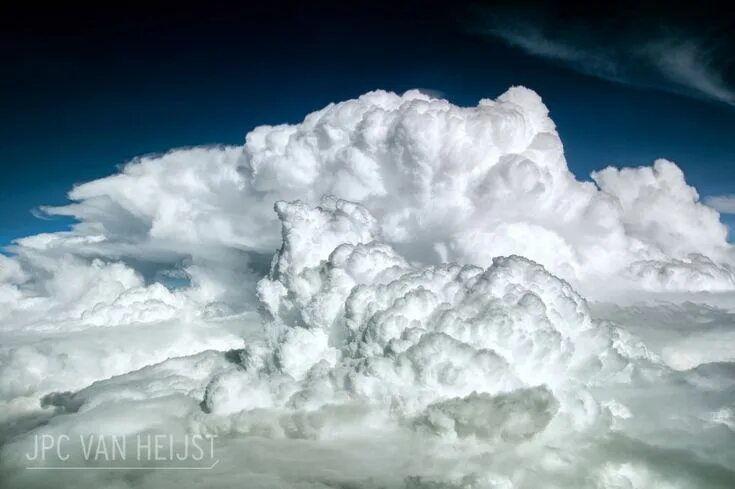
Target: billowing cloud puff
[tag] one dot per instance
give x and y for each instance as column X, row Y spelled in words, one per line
column 496, row 377
column 356, row 320
column 446, row 183
column 384, row 295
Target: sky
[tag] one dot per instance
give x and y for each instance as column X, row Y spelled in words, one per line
column 85, row 89
column 399, row 291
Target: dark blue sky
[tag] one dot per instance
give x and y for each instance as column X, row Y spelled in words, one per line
column 84, row 91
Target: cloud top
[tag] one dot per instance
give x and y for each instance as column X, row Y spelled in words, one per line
column 446, row 183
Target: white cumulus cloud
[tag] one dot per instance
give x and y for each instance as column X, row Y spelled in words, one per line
column 387, row 294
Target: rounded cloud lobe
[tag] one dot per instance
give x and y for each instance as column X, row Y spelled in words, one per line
column 446, row 183
column 423, row 295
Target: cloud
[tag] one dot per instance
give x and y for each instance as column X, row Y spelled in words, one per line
column 440, row 178
column 390, row 293
column 679, row 63
column 471, row 372
column 531, row 39
column 689, row 64
column 724, row 204
column 684, row 335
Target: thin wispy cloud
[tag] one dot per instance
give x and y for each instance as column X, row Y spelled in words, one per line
column 724, row 204
column 689, row 64
column 661, row 60
column 532, row 40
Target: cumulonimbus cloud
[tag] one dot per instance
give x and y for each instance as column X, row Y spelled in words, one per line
column 394, row 280
column 448, row 183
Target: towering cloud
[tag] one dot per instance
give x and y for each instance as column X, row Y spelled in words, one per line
column 394, row 270
column 447, row 183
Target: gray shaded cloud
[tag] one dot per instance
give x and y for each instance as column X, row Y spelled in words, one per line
column 724, row 204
